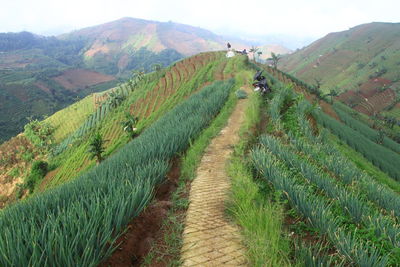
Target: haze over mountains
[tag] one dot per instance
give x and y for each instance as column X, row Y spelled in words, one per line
column 39, row 75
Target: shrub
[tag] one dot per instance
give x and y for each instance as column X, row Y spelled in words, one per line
column 38, row 171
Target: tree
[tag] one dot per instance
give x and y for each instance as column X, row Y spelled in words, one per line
column 332, row 93
column 254, row 50
column 259, row 53
column 129, row 125
column 315, row 88
column 115, row 99
column 138, row 75
column 40, row 134
column 96, row 147
column 275, row 59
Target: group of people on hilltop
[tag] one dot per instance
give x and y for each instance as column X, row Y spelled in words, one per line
column 243, row 52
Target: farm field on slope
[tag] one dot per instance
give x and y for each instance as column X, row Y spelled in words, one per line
column 150, row 98
column 334, row 212
column 149, row 103
column 135, row 169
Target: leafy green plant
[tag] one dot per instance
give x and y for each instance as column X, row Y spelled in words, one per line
column 38, row 171
column 129, row 125
column 96, row 147
column 40, row 133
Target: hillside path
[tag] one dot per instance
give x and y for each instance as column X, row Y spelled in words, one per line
column 209, row 238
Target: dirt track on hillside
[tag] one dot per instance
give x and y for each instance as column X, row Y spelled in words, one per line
column 210, row 238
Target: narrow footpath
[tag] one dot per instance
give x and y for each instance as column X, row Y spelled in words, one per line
column 210, row 238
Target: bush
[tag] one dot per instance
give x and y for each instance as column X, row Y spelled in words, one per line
column 38, row 171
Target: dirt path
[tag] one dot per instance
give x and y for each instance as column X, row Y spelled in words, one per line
column 209, row 238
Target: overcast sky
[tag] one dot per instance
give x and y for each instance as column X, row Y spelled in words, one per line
column 301, row 18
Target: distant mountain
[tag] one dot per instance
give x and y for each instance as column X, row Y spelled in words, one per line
column 40, row 75
column 110, row 47
column 351, row 59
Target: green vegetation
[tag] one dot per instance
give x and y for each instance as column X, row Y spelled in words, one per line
column 363, row 53
column 103, row 206
column 385, row 159
column 301, row 196
column 343, row 205
column 174, row 224
column 74, row 148
column 40, row 134
column 68, row 119
column 275, row 59
column 38, row 171
column 96, row 147
column 260, row 218
column 365, row 130
column 129, row 125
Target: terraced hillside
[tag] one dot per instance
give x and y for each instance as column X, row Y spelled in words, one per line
column 309, row 183
column 338, row 209
column 147, row 100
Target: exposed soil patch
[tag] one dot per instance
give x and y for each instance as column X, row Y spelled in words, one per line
column 79, row 78
column 48, row 178
column 146, row 228
column 43, row 87
column 327, row 108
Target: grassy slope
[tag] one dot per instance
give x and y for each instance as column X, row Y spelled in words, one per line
column 69, row 119
column 346, row 58
column 77, row 158
column 353, row 156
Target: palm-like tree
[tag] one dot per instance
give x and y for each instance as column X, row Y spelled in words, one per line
column 138, row 74
column 254, row 50
column 129, row 125
column 332, row 93
column 259, row 53
column 96, row 147
column 115, row 99
column 275, row 59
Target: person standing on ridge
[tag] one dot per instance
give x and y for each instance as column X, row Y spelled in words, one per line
column 228, row 45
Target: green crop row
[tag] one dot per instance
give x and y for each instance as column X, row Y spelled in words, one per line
column 365, row 130
column 360, row 211
column 77, row 223
column 91, row 122
column 317, row 211
column 387, row 160
column 326, row 155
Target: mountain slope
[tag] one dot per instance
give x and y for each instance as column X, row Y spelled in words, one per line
column 350, row 59
column 40, row 75
column 112, row 45
column 317, row 194
column 129, row 34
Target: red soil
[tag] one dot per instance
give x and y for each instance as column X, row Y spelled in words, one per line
column 146, row 228
column 43, row 87
column 377, row 102
column 76, row 79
